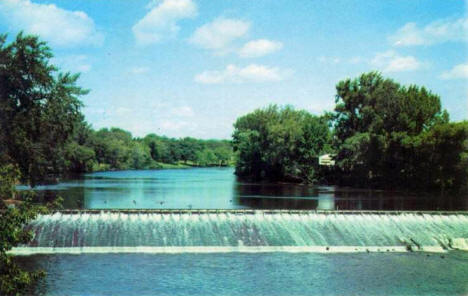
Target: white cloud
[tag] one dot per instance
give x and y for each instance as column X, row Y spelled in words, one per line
column 258, row 48
column 219, row 34
column 457, row 72
column 436, row 32
column 390, row 61
column 250, row 73
column 58, row 26
column 161, row 21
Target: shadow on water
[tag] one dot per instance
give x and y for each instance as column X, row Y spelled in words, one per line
column 294, row 196
column 218, row 188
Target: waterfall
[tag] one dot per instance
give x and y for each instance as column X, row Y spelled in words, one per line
column 245, row 231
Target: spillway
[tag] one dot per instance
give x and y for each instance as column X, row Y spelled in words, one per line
column 245, row 231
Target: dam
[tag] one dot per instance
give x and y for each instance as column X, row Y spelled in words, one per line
column 223, row 231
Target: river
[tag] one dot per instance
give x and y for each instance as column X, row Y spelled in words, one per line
column 260, row 252
column 218, row 188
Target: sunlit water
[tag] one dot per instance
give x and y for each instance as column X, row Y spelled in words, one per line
column 218, row 188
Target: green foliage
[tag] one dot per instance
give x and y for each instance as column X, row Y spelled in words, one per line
column 189, row 151
column 38, row 107
column 113, row 147
column 79, row 158
column 442, row 152
column 13, row 280
column 116, row 149
column 279, row 144
column 388, row 135
column 9, row 175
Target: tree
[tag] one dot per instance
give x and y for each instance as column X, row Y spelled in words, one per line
column 188, row 148
column 79, row 158
column 223, row 155
column 384, row 132
column 38, row 108
column 112, row 147
column 279, row 144
column 154, row 146
column 13, row 280
column 442, row 154
column 79, row 151
column 140, row 155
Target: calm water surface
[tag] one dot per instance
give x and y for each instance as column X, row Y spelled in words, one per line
column 253, row 274
column 218, row 188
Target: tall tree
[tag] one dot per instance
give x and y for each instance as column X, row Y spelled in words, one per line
column 382, row 130
column 38, row 107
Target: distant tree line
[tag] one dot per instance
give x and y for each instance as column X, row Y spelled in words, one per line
column 117, row 149
column 381, row 135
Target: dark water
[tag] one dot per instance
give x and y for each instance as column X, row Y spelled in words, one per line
column 253, row 274
column 218, row 188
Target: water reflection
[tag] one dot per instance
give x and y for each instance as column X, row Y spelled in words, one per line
column 218, row 188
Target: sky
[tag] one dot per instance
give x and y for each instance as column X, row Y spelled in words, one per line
column 191, row 67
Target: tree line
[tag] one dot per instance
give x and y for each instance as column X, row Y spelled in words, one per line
column 116, row 149
column 381, row 135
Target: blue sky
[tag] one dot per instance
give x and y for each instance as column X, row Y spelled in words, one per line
column 191, row 67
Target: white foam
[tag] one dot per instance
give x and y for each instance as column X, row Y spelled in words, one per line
column 211, row 231
column 460, row 243
column 22, row 251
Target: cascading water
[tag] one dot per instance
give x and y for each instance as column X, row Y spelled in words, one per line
column 248, row 231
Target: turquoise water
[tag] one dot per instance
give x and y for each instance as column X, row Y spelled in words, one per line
column 253, row 274
column 218, row 188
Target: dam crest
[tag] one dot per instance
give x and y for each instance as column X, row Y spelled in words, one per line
column 217, row 231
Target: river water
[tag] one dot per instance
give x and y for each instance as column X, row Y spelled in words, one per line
column 262, row 252
column 218, row 188
column 246, row 274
